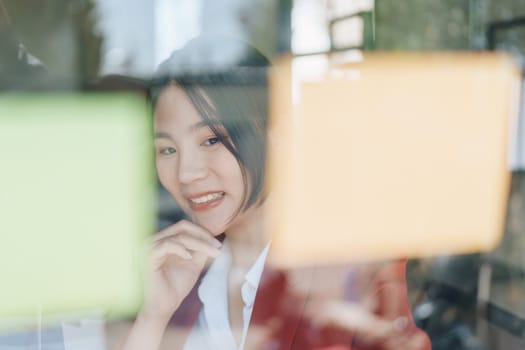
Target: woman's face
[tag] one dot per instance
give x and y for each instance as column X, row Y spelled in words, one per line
column 203, row 177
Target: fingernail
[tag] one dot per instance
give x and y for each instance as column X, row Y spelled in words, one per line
column 216, row 243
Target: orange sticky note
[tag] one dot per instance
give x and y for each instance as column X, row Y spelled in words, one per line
column 399, row 154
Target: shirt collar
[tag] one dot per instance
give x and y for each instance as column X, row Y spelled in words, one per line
column 217, row 275
column 253, row 277
column 216, row 278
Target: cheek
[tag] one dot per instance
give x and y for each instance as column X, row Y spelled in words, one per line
column 166, row 173
column 162, row 172
column 231, row 173
column 168, row 180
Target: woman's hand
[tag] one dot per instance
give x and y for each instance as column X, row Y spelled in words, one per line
column 178, row 256
column 369, row 328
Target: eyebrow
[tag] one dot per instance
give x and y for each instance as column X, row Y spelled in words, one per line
column 162, row 135
column 198, row 125
column 204, row 124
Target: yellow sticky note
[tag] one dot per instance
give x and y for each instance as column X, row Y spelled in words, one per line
column 398, row 154
column 76, row 200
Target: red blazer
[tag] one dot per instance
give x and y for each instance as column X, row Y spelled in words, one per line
column 280, row 308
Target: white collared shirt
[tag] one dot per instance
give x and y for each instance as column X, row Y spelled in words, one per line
column 212, row 330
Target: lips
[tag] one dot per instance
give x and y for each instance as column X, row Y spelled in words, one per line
column 205, row 201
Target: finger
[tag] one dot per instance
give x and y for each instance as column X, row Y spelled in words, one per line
column 406, row 336
column 418, row 341
column 352, row 317
column 195, row 258
column 184, row 246
column 392, row 334
column 194, row 244
column 162, row 251
column 188, row 227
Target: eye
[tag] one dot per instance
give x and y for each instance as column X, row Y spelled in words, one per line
column 166, row 151
column 211, row 141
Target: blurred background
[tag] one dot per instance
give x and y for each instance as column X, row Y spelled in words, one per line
column 464, row 301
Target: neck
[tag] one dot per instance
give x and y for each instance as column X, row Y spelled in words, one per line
column 246, row 237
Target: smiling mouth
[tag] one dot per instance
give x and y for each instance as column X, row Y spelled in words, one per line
column 206, row 201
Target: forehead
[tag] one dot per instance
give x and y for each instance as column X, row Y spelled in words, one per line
column 174, row 109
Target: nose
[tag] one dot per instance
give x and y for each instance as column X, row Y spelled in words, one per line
column 192, row 167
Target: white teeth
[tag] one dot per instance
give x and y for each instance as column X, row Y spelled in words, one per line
column 206, row 198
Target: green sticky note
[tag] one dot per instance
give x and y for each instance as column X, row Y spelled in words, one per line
column 76, row 203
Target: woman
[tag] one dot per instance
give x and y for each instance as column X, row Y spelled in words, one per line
column 208, row 271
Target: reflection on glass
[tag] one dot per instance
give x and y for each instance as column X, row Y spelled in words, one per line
column 69, row 45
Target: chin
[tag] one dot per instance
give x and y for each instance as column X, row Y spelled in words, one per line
column 213, row 227
column 216, row 230
column 216, row 222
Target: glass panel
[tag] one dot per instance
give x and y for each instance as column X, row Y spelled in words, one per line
column 90, row 90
